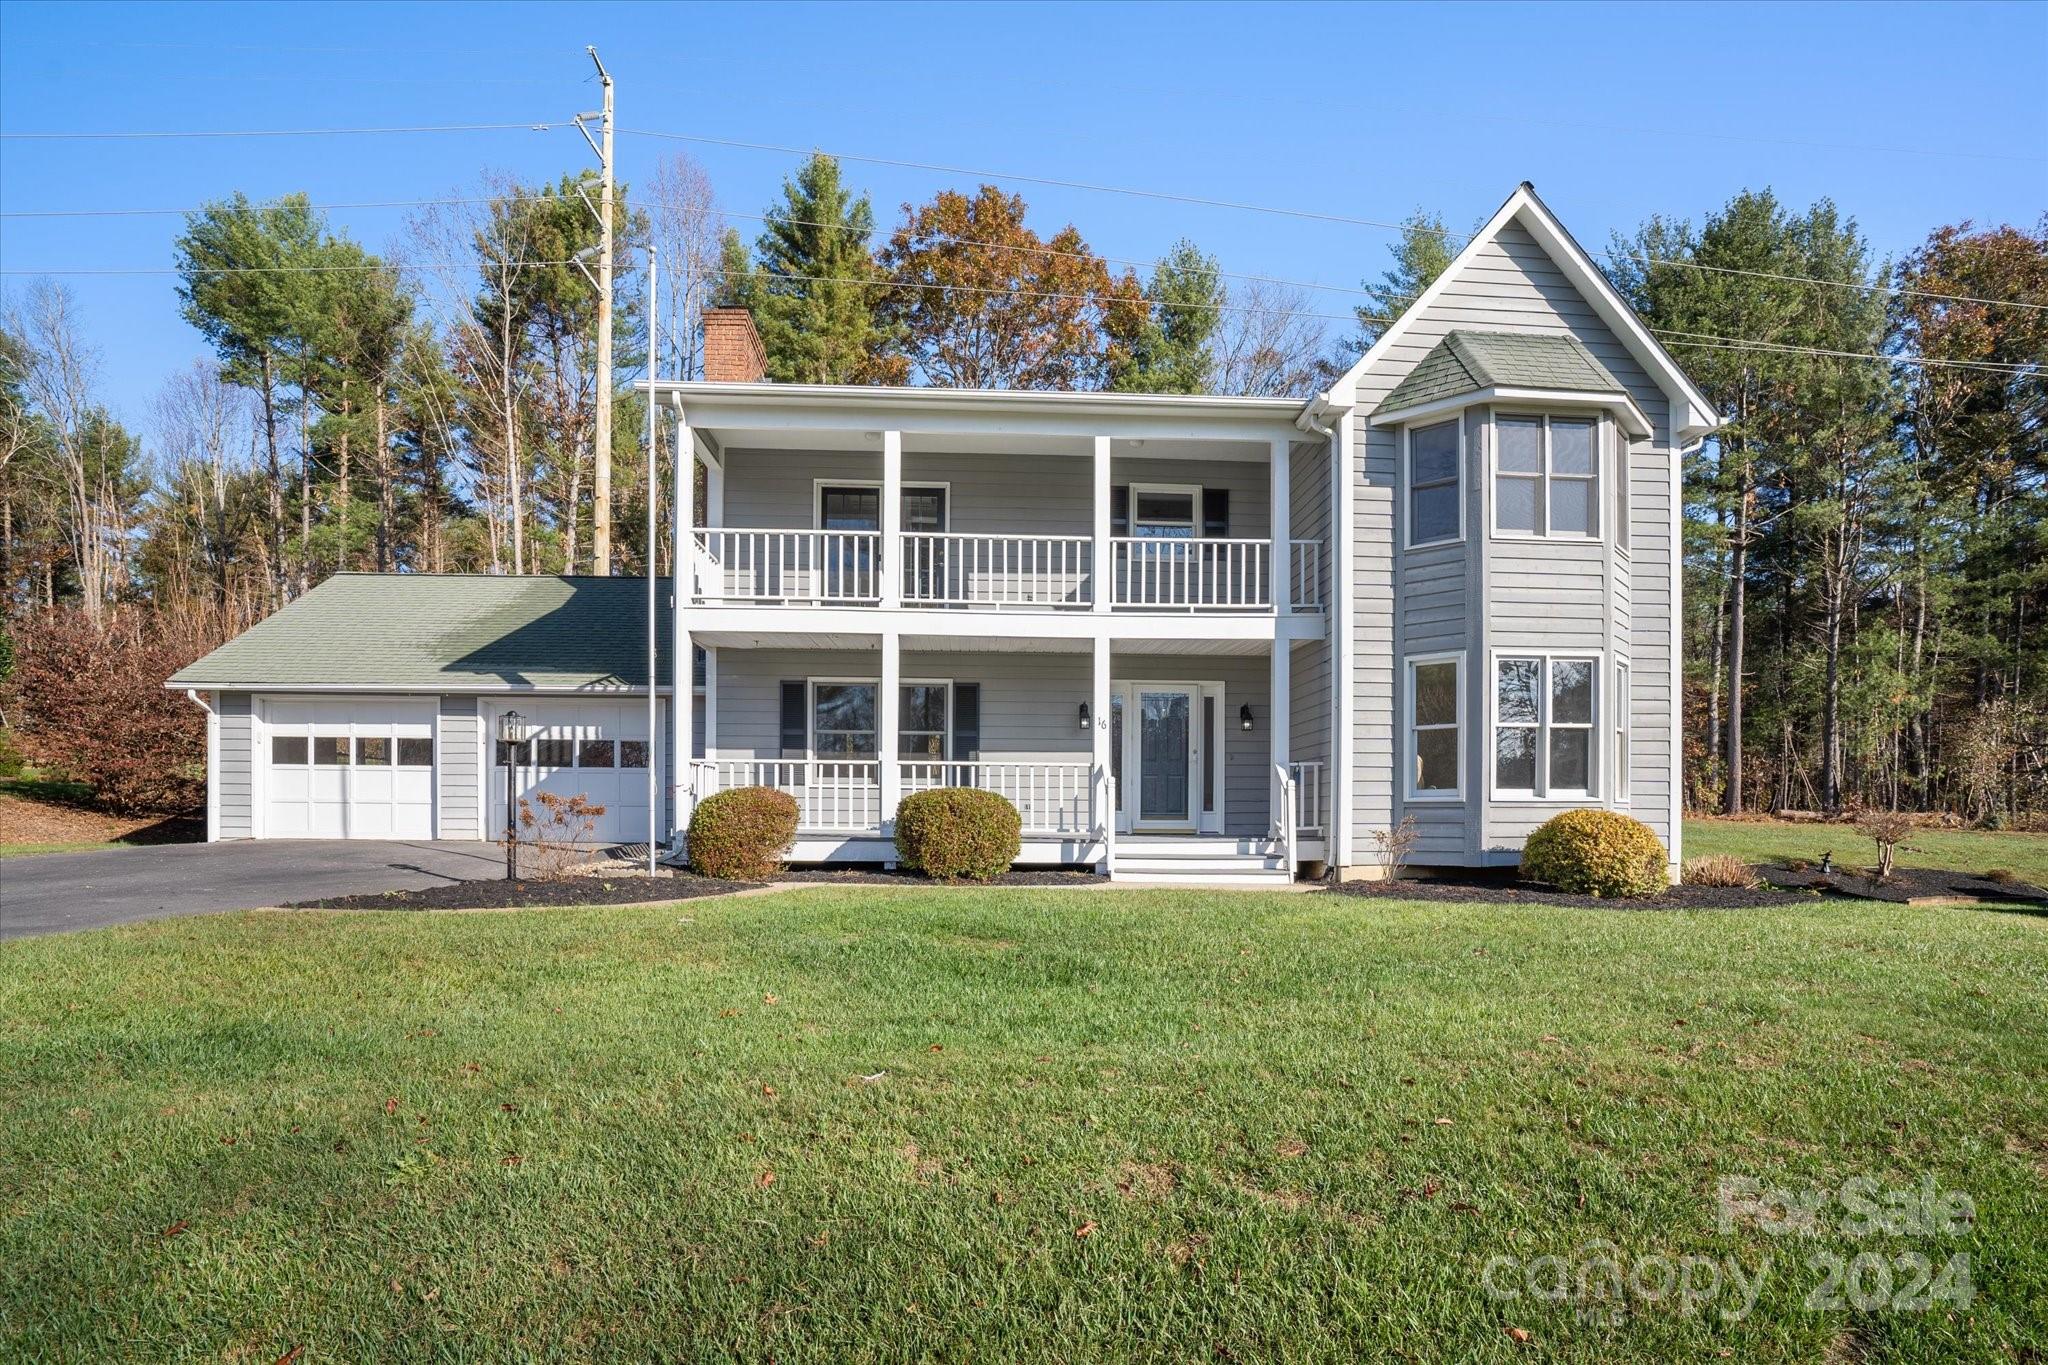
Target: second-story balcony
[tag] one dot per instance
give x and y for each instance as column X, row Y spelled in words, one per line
column 959, row 571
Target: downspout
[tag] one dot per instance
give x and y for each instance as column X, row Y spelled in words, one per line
column 1322, row 418
column 200, row 700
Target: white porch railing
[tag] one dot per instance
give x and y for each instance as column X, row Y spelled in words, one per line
column 1288, row 811
column 945, row 569
column 1308, row 782
column 1176, row 573
column 1052, row 798
column 1305, row 573
column 789, row 566
column 833, row 796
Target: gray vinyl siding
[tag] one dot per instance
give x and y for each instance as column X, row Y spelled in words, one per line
column 1030, row 706
column 458, row 776
column 235, row 782
column 1539, row 595
column 1025, row 495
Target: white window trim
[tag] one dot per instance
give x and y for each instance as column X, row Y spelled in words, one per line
column 945, row 736
column 818, row 487
column 1622, row 739
column 1494, row 476
column 1192, row 490
column 811, row 716
column 1617, row 441
column 1410, row 794
column 1408, row 541
column 1597, row 753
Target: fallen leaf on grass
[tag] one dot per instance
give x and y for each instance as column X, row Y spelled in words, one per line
column 391, row 1105
column 765, row 1179
column 1086, row 1229
column 289, row 1356
column 768, row 1091
column 509, row 1108
column 1520, row 1334
column 511, row 1159
column 1443, row 1123
column 936, row 1047
column 771, row 999
column 175, row 1229
column 1291, row 1147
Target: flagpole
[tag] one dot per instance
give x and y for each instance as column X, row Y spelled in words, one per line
column 653, row 709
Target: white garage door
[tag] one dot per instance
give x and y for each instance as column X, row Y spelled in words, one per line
column 337, row 768
column 594, row 749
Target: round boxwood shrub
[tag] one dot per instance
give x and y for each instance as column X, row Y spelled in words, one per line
column 1596, row 853
column 742, row 834
column 958, row 832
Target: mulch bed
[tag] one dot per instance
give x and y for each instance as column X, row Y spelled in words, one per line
column 1906, row 885
column 495, row 895
column 29, row 820
column 1503, row 888
column 875, row 876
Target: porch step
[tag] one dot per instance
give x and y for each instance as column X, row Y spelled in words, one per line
column 1201, row 862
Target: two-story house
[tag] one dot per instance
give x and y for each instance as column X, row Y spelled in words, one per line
column 1189, row 637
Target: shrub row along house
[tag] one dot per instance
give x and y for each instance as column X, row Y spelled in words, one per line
column 1187, row 637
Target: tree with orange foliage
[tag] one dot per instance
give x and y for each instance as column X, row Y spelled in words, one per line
column 978, row 300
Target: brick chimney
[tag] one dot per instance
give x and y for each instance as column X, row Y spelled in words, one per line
column 732, row 347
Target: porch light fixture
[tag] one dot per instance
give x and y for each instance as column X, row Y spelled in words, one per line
column 1086, row 724
column 1244, row 718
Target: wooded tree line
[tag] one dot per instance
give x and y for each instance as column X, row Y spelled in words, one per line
column 1865, row 579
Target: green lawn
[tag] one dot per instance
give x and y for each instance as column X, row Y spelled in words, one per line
column 1290, row 1128
column 1965, row 850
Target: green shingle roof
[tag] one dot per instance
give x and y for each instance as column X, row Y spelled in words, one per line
column 1467, row 362
column 447, row 632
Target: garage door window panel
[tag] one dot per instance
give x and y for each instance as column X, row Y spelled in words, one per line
column 330, row 751
column 594, row 753
column 414, row 752
column 373, row 751
column 632, row 753
column 288, row 751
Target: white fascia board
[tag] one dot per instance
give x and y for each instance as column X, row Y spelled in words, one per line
column 447, row 689
column 1620, row 404
column 1030, row 405
column 1049, row 419
column 1692, row 415
column 1120, row 626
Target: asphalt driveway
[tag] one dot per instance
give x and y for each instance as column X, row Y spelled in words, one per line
column 50, row 893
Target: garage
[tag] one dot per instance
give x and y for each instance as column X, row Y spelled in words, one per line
column 576, row 747
column 347, row 768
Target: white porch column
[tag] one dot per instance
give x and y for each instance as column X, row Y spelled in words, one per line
column 682, row 699
column 1283, row 532
column 1343, row 640
column 1100, row 562
column 889, row 561
column 1104, row 791
column 888, row 712
column 1282, row 720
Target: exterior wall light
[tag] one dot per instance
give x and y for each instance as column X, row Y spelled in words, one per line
column 1086, row 724
column 1244, row 718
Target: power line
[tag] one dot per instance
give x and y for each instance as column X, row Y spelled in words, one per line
column 538, row 126
column 1701, row 340
column 1459, row 237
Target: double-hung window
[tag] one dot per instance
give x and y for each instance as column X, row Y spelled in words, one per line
column 843, row 720
column 1546, row 476
column 1436, row 713
column 921, row 722
column 1619, row 705
column 1433, row 505
column 1543, row 715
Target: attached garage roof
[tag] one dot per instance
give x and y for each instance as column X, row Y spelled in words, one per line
column 452, row 632
column 1471, row 362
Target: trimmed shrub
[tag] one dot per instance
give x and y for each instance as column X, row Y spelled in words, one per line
column 1718, row 869
column 1595, row 853
column 2003, row 876
column 742, row 834
column 958, row 832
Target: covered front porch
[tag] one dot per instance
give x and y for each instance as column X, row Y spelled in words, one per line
column 1112, row 752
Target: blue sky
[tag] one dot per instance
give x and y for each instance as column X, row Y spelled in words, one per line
column 1909, row 116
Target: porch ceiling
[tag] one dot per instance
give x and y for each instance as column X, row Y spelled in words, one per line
column 1005, row 445
column 972, row 644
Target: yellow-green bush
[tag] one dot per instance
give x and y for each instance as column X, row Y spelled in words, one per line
column 1596, row 853
column 958, row 832
column 742, row 833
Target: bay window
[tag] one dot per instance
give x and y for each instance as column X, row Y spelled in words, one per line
column 1546, row 476
column 1543, row 717
column 1436, row 714
column 1435, row 511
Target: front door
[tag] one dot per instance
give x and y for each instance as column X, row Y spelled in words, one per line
column 1168, row 760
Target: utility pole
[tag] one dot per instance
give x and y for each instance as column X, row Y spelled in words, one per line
column 601, row 488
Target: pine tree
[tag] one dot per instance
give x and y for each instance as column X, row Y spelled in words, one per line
column 1170, row 345
column 1424, row 252
column 811, row 285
